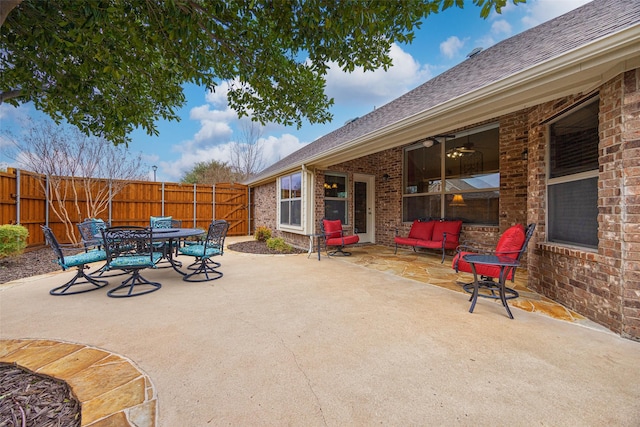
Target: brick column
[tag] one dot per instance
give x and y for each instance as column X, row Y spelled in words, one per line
column 630, row 209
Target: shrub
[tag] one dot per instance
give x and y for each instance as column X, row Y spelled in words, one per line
column 278, row 244
column 13, row 239
column 262, row 233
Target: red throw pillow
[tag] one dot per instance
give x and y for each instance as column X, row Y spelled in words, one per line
column 421, row 230
column 511, row 241
column 332, row 228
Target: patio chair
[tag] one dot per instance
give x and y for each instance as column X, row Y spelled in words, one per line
column 333, row 235
column 131, row 250
column 89, row 229
column 513, row 243
column 211, row 246
column 164, row 222
column 80, row 261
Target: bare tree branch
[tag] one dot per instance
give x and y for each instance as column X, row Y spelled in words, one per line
column 84, row 172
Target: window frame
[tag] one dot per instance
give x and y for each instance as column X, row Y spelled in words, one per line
column 442, row 193
column 290, row 200
column 345, row 199
column 569, row 178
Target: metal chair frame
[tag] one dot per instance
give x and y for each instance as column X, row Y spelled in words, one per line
column 88, row 229
column 166, row 222
column 212, row 246
column 340, row 248
column 81, row 278
column 131, row 249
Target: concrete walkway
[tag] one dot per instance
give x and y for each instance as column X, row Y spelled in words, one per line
column 288, row 340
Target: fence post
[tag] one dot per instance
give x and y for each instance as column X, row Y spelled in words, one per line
column 46, row 200
column 110, row 205
column 162, row 201
column 17, row 196
column 213, row 189
column 195, row 206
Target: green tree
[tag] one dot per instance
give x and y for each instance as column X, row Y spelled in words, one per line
column 111, row 66
column 210, row 172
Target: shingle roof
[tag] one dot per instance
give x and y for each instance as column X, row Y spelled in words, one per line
column 548, row 40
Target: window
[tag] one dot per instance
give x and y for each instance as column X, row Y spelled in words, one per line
column 572, row 186
column 335, row 197
column 456, row 177
column 291, row 200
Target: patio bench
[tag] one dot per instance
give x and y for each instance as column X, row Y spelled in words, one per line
column 440, row 234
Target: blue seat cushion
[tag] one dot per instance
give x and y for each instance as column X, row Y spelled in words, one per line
column 83, row 258
column 135, row 261
column 198, row 251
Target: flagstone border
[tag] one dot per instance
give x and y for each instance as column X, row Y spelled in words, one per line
column 111, row 390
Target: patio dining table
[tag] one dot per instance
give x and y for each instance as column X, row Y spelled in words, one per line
column 170, row 235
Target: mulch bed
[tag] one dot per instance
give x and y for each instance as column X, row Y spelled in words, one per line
column 29, row 399
column 258, row 247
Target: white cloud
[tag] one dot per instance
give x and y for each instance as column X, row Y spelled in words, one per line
column 274, row 149
column 543, row 10
column 501, row 26
column 451, row 47
column 376, row 87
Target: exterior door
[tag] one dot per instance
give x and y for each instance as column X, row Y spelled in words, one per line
column 363, row 203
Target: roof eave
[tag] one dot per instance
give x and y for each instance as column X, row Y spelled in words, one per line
column 579, row 70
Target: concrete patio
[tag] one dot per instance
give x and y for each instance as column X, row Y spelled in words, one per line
column 288, row 340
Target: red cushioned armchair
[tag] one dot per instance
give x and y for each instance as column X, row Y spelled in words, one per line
column 334, row 236
column 512, row 244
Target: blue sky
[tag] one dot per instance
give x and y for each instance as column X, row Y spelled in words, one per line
column 208, row 126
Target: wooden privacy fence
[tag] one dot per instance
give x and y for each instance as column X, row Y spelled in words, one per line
column 23, row 201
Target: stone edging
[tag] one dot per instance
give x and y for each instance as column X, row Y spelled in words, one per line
column 111, row 390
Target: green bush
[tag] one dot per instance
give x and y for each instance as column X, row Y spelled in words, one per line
column 262, row 233
column 13, row 239
column 278, row 244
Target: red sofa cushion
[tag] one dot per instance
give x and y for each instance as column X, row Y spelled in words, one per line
column 421, row 230
column 405, row 241
column 452, row 228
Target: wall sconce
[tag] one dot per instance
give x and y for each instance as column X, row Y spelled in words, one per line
column 429, row 142
column 386, row 177
column 457, row 200
column 525, row 154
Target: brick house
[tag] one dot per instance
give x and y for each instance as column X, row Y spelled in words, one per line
column 540, row 128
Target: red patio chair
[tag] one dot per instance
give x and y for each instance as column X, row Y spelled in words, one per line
column 512, row 244
column 333, row 235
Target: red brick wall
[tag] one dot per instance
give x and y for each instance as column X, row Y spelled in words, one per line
column 630, row 143
column 265, row 206
column 602, row 285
